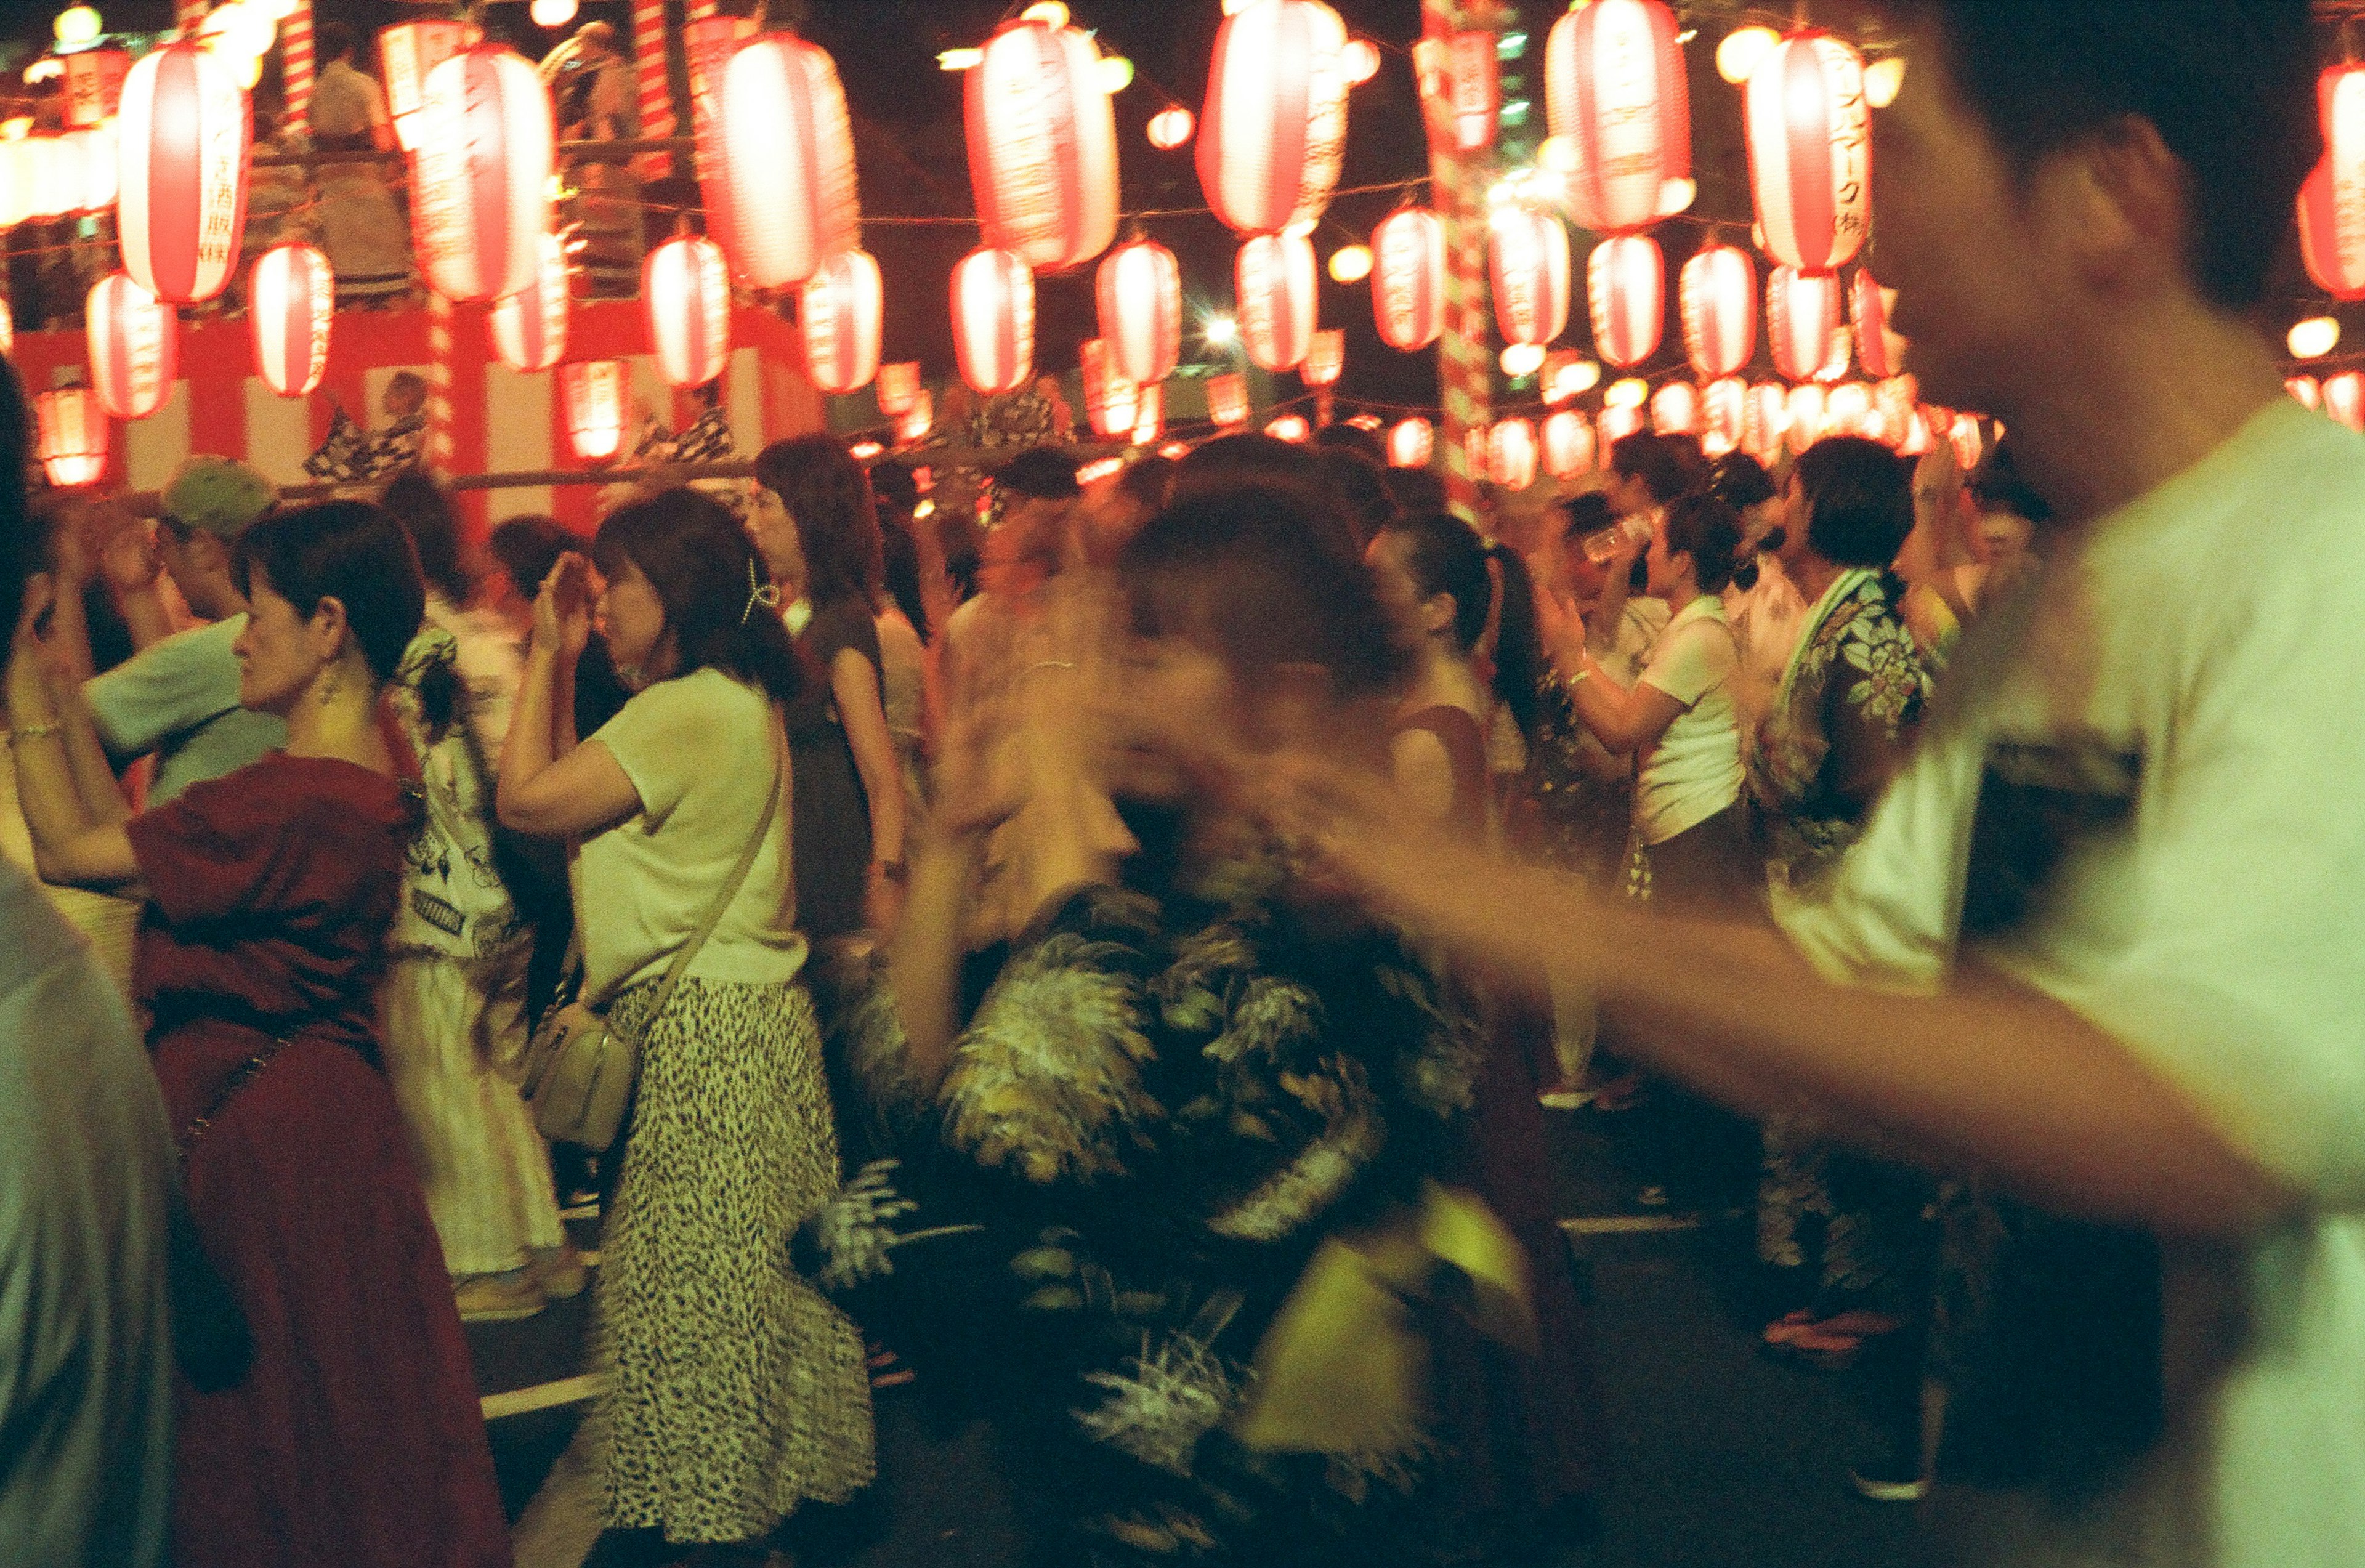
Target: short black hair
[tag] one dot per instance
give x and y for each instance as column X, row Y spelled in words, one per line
column 703, row 567
column 420, row 504
column 353, row 552
column 1044, row 473
column 1585, row 512
column 527, row 547
column 2228, row 84
column 1739, row 481
column 1706, row 530
column 332, row 40
column 1251, row 571
column 1444, row 554
column 1996, row 486
column 1351, row 437
column 1361, row 487
column 1416, row 490
column 1667, row 467
column 1859, row 500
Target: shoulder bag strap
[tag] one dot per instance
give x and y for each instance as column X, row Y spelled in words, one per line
column 738, row 880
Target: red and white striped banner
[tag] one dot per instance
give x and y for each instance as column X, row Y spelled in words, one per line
column 1458, row 182
column 656, row 95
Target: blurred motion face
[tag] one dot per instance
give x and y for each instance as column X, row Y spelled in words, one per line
column 2001, row 540
column 774, row 534
column 1165, row 705
column 1024, row 548
column 1795, row 513
column 630, row 616
column 1671, row 571
column 1110, row 517
column 1759, row 521
column 1629, row 496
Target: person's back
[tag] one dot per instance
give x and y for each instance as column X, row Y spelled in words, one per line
column 85, row 1180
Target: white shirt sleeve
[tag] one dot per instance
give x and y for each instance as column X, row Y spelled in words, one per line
column 1692, row 660
column 658, row 738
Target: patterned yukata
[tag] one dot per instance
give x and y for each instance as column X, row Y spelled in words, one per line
column 1172, row 1219
column 1854, row 690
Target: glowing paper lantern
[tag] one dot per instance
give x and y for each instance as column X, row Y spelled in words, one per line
column 1169, row 128
column 482, row 175
column 1361, row 61
column 7, row 329
column 1042, row 145
column 1110, row 400
column 94, row 84
column 1410, row 443
column 1808, row 414
column 1568, row 374
column 1615, row 95
column 183, row 142
column 1290, row 427
column 1275, row 127
column 1350, row 263
column 1717, row 295
column 1767, row 420
column 592, row 393
column 1809, row 152
column 1459, row 84
column 551, row 13
column 291, row 296
column 899, row 388
column 1148, row 413
column 1802, row 311
column 1970, row 441
column 686, row 291
column 1724, row 415
column 134, row 342
column 913, row 423
column 1879, row 350
column 2306, row 390
column 1849, row 407
column 1274, row 276
column 72, row 427
column 838, row 315
column 993, row 320
column 99, row 166
column 1326, row 356
column 2344, row 399
column 1228, row 398
column 1512, row 454
column 2332, row 201
column 785, row 156
column 1139, row 290
column 1409, row 278
column 1626, row 286
column 407, row 52
column 1527, row 259
column 1620, row 420
column 1569, row 445
column 1676, row 409
column 529, row 327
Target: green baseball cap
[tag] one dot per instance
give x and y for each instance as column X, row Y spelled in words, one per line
column 221, row 495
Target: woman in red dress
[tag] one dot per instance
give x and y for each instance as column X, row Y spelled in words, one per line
column 353, row 1436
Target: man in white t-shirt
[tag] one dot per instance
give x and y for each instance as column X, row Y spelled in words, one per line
column 2101, row 943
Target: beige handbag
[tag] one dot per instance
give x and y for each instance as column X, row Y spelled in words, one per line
column 580, row 1073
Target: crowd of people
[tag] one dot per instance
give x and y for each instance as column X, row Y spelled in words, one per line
column 1110, row 968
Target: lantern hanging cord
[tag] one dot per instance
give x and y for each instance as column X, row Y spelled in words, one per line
column 948, row 220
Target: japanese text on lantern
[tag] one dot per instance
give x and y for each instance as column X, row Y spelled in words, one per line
column 1851, row 157
column 2347, row 130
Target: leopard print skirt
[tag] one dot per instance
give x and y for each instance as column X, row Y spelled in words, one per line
column 736, row 1389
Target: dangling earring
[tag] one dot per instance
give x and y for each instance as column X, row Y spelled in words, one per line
column 327, row 684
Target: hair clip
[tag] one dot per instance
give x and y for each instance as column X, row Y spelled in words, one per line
column 758, row 592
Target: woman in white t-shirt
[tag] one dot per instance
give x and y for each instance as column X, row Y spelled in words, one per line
column 735, row 1391
column 1689, row 842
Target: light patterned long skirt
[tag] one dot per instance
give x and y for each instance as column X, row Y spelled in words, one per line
column 736, row 1389
column 452, row 1032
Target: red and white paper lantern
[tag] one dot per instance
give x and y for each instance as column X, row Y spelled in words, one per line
column 1409, row 278
column 2332, row 201
column 1275, row 127
column 1810, row 151
column 529, row 328
column 1290, row 427
column 1880, row 351
column 407, row 52
column 1569, row 445
column 2305, row 390
column 1620, row 420
column 686, row 292
column 1615, row 96
column 1527, row 261
column 1808, row 415
column 594, row 398
column 1803, row 312
column 838, row 315
column 72, row 426
column 787, row 162
column 1849, row 408
column 134, row 340
column 1326, row 357
column 481, row 174
column 1724, row 415
column 1042, row 145
column 1111, row 402
column 184, row 139
column 1717, row 292
column 291, row 299
column 1228, row 398
column 1139, row 290
column 1512, row 454
column 1676, row 409
column 1626, row 286
column 93, row 80
column 1274, row 276
column 899, row 388
column 1148, row 412
column 1411, row 443
column 1461, row 87
column 914, row 422
column 1767, row 420
column 993, row 320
